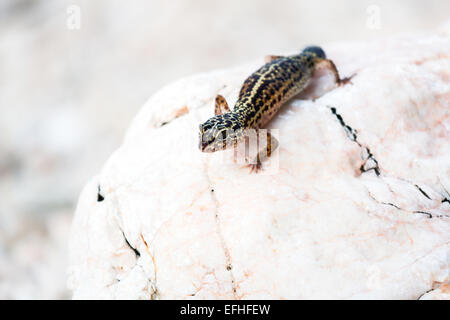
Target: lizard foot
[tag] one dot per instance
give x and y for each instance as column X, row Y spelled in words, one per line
column 254, row 167
column 346, row 80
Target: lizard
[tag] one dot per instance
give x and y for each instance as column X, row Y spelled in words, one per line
column 260, row 98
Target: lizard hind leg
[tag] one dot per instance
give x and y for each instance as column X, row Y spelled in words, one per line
column 221, row 105
column 329, row 64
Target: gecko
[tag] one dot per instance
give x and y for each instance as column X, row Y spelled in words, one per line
column 260, row 98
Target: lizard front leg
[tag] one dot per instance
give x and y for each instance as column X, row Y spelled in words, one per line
column 221, row 105
column 264, row 153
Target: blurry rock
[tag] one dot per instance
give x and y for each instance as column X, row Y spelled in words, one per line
column 358, row 207
column 32, row 258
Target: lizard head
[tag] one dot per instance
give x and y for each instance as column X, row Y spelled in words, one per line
column 219, row 133
column 318, row 51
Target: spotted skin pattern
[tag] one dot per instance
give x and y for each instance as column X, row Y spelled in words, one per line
column 260, row 98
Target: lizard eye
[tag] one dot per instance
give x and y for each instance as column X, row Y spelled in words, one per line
column 222, row 135
column 208, row 136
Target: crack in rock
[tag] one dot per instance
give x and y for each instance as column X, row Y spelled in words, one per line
column 420, row 296
column 423, row 192
column 100, row 197
column 154, row 295
column 436, row 285
column 136, row 251
column 446, row 198
column 370, row 163
column 155, row 292
column 428, row 214
column 228, row 263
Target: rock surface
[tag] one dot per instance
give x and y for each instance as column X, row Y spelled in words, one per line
column 358, row 208
column 441, row 293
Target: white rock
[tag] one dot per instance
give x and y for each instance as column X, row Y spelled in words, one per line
column 318, row 227
column 441, row 293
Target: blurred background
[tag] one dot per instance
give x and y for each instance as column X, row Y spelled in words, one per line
column 74, row 73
